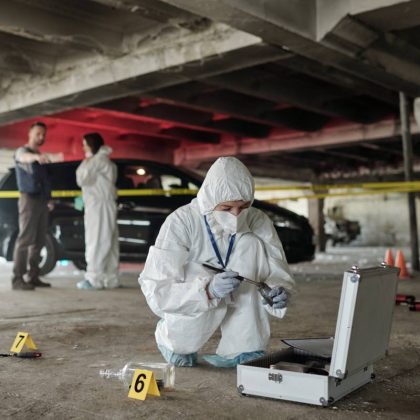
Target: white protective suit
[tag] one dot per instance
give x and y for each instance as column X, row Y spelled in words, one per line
column 174, row 281
column 97, row 177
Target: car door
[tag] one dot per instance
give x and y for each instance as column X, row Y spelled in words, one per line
column 67, row 223
column 143, row 210
column 9, row 225
column 139, row 216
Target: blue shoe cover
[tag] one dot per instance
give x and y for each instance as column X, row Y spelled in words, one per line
column 85, row 285
column 223, row 362
column 181, row 360
column 247, row 357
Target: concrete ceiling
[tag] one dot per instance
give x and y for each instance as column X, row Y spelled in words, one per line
column 301, row 89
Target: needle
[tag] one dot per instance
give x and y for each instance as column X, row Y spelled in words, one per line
column 241, row 278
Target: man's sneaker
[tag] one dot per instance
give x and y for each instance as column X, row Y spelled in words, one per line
column 39, row 283
column 20, row 284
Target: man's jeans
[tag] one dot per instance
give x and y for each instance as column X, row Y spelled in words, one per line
column 33, row 225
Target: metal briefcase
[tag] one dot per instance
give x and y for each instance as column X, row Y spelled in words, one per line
column 322, row 370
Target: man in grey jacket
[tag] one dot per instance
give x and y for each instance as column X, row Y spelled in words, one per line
column 35, row 192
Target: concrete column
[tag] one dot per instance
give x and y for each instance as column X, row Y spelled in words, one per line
column 317, row 220
column 408, row 172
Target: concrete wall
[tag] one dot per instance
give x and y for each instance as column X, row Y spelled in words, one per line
column 298, row 206
column 6, row 160
column 383, row 218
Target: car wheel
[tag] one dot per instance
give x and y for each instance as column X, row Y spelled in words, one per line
column 80, row 264
column 48, row 256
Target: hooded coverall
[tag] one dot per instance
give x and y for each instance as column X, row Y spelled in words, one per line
column 97, row 177
column 174, row 280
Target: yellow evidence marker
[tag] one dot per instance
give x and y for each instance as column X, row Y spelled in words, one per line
column 143, row 384
column 22, row 339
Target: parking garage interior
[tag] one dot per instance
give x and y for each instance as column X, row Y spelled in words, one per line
column 316, row 97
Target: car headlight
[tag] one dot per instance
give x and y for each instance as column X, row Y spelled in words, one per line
column 281, row 221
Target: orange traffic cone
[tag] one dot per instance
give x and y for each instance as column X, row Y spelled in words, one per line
column 389, row 258
column 400, row 263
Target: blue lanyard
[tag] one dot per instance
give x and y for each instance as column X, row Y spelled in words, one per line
column 216, row 248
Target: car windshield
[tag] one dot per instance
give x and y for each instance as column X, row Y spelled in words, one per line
column 148, row 177
column 63, row 176
column 8, row 182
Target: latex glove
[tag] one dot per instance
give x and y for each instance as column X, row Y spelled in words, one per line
column 223, row 283
column 280, row 297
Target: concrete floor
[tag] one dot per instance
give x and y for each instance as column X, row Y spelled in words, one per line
column 81, row 332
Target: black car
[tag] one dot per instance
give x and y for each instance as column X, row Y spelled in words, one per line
column 139, row 217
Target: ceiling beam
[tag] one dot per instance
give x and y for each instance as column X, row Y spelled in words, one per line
column 280, row 169
column 382, row 149
column 173, row 113
column 191, row 119
column 25, row 56
column 163, row 63
column 292, row 160
column 322, row 161
column 256, row 82
column 128, row 124
column 242, row 128
column 328, row 137
column 34, row 23
column 297, row 118
column 151, row 9
column 345, row 155
column 193, row 135
column 396, row 55
column 197, row 95
column 283, row 28
column 395, row 17
column 332, row 75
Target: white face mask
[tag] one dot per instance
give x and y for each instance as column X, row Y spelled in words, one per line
column 229, row 222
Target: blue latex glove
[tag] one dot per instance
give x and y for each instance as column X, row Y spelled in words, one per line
column 79, row 203
column 223, row 283
column 280, row 297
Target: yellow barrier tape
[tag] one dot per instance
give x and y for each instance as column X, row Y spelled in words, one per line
column 318, row 191
column 9, row 194
column 177, row 191
column 121, row 193
column 343, row 194
column 314, row 187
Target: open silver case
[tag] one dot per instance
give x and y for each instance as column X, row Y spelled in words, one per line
column 322, row 370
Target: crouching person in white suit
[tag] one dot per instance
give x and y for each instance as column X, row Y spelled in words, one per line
column 219, row 228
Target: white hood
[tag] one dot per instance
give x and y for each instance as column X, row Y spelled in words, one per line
column 104, row 150
column 228, row 179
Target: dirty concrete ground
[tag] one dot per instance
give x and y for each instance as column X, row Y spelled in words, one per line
column 80, row 332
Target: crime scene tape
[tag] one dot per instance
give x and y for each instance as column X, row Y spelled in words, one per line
column 342, row 194
column 326, row 187
column 341, row 190
column 310, row 190
column 121, row 193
